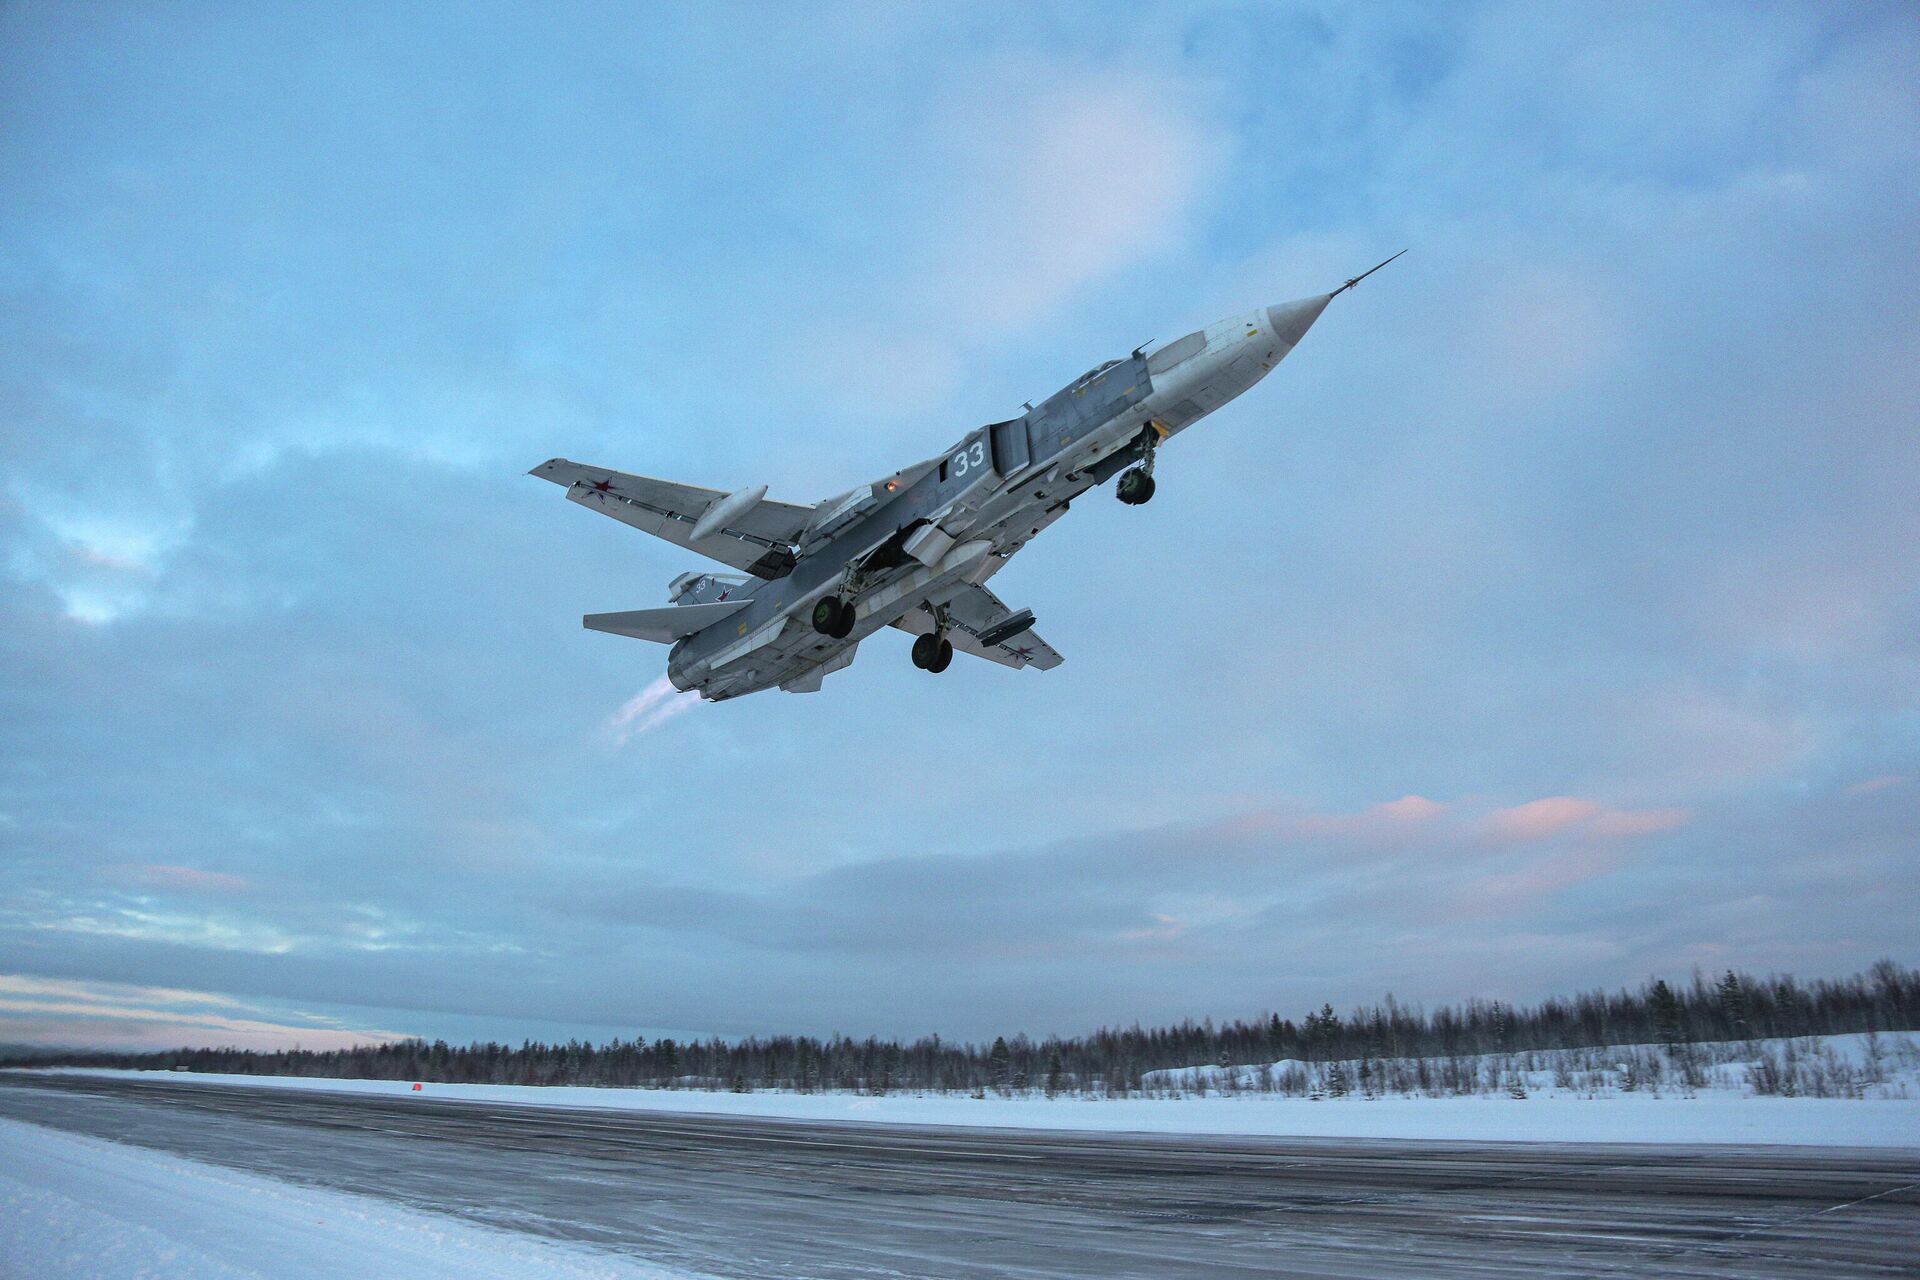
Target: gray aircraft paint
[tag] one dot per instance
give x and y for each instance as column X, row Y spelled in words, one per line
column 915, row 549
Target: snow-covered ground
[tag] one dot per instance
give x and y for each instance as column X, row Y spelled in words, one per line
column 1876, row 1065
column 76, row 1206
column 1586, row 1109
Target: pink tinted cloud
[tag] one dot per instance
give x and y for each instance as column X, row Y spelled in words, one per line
column 1415, row 823
column 161, row 1032
column 1563, row 815
column 180, row 879
column 1387, row 823
column 1872, row 785
column 116, row 1015
column 1411, row 808
column 1538, row 819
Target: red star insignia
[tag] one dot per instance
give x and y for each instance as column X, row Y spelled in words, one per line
column 603, row 486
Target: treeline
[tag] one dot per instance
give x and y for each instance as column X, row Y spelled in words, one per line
column 1734, row 1006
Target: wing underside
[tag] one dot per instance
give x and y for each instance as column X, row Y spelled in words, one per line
column 981, row 624
column 758, row 539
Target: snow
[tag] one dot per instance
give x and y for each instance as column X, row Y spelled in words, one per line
column 1879, row 1065
column 77, row 1206
column 1596, row 1109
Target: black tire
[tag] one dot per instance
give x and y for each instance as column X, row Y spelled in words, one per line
column 944, row 658
column 843, row 625
column 826, row 612
column 1135, row 488
column 925, row 649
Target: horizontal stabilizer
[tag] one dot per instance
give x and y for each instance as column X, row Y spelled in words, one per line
column 664, row 626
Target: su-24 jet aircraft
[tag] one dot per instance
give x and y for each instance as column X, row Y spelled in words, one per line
column 914, row 549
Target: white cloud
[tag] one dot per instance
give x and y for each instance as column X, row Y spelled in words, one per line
column 21, row 985
column 1027, row 186
column 1604, row 491
column 139, row 924
column 1058, row 181
column 110, row 1015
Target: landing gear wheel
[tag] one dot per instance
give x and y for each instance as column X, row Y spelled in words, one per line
column 932, row 652
column 833, row 616
column 1136, row 487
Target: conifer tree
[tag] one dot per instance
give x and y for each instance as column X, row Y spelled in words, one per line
column 1664, row 1011
column 1000, row 1062
column 1732, row 996
column 1336, row 1081
column 1114, row 1058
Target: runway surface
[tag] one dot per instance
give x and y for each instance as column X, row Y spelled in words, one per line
column 743, row 1197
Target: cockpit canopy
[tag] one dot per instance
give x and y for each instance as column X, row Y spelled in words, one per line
column 1177, row 352
column 1095, row 372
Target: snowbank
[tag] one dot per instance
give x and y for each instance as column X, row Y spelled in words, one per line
column 1631, row 1117
column 75, row 1206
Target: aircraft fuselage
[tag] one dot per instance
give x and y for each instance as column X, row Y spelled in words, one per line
column 963, row 515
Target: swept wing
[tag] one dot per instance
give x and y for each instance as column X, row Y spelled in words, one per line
column 981, row 624
column 757, row 537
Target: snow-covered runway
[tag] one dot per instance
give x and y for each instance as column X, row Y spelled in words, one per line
column 78, row 1206
column 745, row 1196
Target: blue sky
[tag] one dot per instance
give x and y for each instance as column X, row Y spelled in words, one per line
column 1550, row 619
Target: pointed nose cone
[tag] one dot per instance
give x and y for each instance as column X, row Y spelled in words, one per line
column 1291, row 320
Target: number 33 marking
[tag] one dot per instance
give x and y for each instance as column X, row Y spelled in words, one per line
column 968, row 458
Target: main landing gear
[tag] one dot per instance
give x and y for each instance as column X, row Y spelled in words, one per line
column 833, row 616
column 932, row 652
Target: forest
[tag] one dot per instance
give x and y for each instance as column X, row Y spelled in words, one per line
column 1112, row 1061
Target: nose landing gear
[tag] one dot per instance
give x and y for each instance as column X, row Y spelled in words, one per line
column 1136, row 485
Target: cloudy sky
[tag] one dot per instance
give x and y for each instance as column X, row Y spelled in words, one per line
column 1551, row 619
